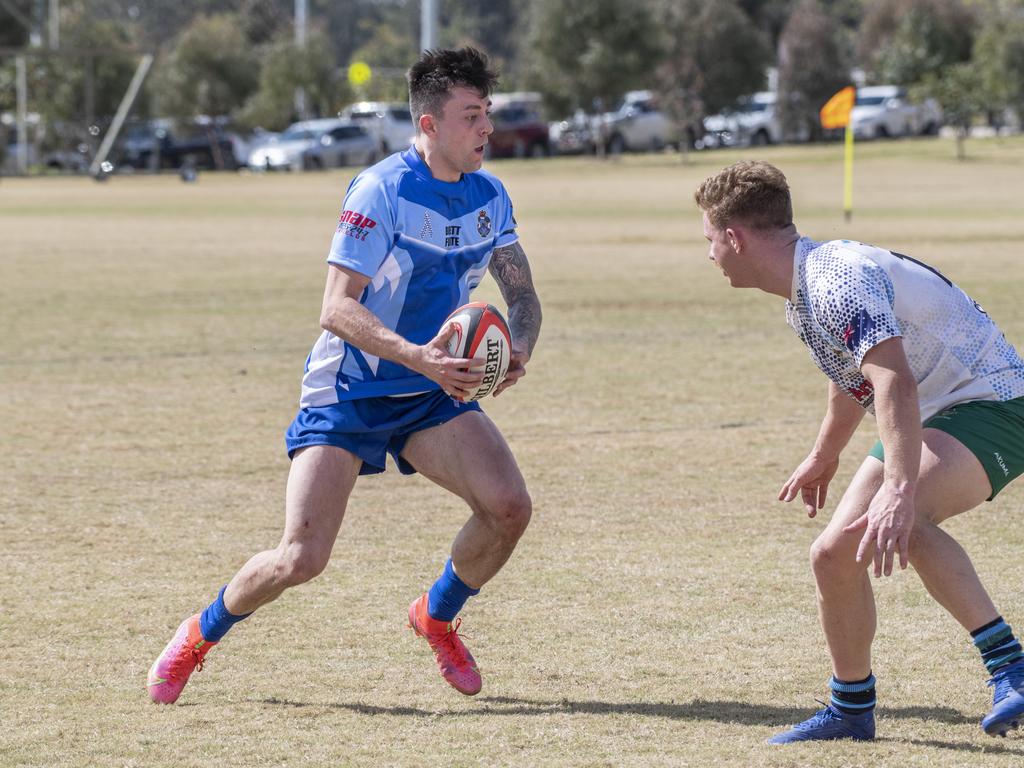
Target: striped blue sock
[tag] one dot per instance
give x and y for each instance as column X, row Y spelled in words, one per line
column 216, row 620
column 854, row 698
column 448, row 594
column 996, row 644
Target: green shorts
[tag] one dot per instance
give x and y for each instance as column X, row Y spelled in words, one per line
column 992, row 430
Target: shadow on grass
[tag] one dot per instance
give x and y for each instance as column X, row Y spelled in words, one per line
column 698, row 709
column 966, row 746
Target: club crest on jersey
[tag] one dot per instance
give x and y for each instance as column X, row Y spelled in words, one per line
column 483, row 224
column 859, row 326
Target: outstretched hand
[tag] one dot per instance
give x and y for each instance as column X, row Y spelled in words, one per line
column 887, row 523
column 811, row 480
column 458, row 376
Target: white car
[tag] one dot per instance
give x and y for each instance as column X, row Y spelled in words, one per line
column 752, row 122
column 390, row 123
column 884, row 111
column 288, row 152
column 637, row 126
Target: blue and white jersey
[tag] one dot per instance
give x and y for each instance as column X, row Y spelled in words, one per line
column 425, row 244
column 849, row 297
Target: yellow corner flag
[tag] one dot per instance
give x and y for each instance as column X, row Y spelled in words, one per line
column 836, row 114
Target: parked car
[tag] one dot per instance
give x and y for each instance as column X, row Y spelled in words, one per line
column 164, row 143
column 288, row 151
column 573, row 136
column 883, row 111
column 637, row 125
column 519, row 128
column 753, row 121
column 345, row 144
column 73, row 160
column 390, row 123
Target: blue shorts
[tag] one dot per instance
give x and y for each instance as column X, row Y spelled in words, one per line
column 373, row 427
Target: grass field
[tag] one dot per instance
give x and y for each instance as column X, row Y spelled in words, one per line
column 659, row 610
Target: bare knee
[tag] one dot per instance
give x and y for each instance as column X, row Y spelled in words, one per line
column 919, row 545
column 510, row 514
column 297, row 564
column 833, row 559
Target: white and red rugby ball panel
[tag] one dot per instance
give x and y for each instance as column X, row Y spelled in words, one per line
column 482, row 332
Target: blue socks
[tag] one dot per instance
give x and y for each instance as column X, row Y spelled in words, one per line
column 216, row 621
column 444, row 601
column 997, row 645
column 448, row 595
column 854, row 698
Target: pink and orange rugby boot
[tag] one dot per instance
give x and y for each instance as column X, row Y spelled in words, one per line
column 172, row 668
column 455, row 661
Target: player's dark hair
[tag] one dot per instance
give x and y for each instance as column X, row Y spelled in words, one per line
column 432, row 78
column 749, row 192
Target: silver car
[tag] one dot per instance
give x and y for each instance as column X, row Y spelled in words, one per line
column 390, row 123
column 347, row 144
column 315, row 144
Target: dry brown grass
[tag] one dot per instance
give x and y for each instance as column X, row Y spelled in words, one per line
column 659, row 611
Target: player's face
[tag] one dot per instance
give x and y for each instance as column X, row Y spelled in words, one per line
column 722, row 253
column 463, row 128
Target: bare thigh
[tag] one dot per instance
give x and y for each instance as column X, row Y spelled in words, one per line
column 468, row 456
column 951, row 481
column 319, row 484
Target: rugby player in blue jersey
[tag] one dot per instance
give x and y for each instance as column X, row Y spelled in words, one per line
column 899, row 339
column 417, row 233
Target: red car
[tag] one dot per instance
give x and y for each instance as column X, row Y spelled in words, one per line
column 519, row 128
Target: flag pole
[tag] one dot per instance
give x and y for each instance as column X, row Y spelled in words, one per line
column 848, row 174
column 838, row 113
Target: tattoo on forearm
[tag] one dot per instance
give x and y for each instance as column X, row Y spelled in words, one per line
column 511, row 271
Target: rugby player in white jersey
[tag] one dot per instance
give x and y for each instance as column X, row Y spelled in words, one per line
column 417, row 233
column 896, row 338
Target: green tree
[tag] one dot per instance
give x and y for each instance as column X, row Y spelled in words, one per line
column 712, row 51
column 389, row 51
column 587, row 51
column 901, row 41
column 13, row 30
column 83, row 85
column 713, row 55
column 958, row 89
column 999, row 57
column 488, row 26
column 287, row 67
column 813, row 65
column 212, row 69
column 66, row 96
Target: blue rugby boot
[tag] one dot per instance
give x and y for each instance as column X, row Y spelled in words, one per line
column 829, row 724
column 1007, row 701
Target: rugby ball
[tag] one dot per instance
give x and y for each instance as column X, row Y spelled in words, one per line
column 481, row 332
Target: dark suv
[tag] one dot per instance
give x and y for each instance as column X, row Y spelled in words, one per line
column 157, row 144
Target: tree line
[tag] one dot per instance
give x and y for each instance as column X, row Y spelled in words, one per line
column 239, row 58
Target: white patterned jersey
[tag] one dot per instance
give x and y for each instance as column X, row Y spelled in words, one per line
column 847, row 297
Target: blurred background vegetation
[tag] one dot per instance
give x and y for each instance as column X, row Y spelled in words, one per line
column 239, row 58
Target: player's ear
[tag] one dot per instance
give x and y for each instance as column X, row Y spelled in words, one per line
column 427, row 125
column 736, row 238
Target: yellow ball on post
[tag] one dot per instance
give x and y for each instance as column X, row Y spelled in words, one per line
column 359, row 73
